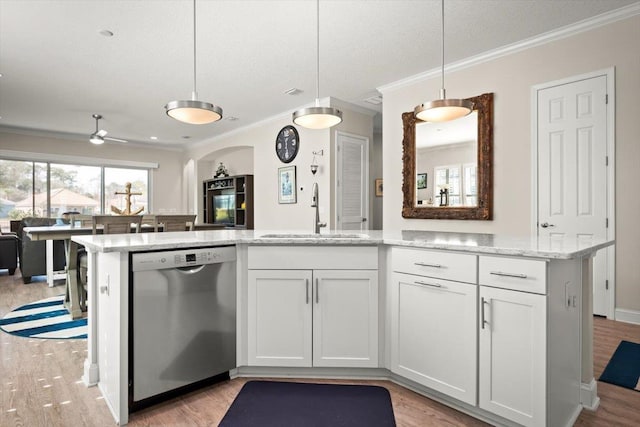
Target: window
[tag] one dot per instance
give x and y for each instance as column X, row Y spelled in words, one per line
column 74, row 188
column 116, row 180
column 450, row 177
column 48, row 189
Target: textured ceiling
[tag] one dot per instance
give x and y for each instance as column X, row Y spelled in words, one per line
column 57, row 69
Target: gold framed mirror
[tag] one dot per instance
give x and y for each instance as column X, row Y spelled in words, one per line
column 458, row 188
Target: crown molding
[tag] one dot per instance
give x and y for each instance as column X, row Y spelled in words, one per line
column 541, row 39
column 81, row 137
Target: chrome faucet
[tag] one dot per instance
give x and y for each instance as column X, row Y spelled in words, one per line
column 315, row 203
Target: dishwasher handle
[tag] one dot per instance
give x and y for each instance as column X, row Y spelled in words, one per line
column 191, row 269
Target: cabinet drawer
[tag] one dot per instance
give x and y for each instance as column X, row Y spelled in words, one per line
column 442, row 265
column 513, row 273
column 298, row 257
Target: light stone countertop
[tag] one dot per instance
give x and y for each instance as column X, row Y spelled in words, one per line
column 543, row 247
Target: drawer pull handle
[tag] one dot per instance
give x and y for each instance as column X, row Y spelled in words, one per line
column 307, row 286
column 500, row 273
column 433, row 285
column 317, row 291
column 424, row 264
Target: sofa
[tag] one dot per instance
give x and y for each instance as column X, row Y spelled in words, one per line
column 33, row 254
column 8, row 252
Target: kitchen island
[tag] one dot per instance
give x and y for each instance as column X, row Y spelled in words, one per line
column 515, row 323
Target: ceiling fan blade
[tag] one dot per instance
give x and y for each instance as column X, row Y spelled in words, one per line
column 108, row 138
column 101, row 132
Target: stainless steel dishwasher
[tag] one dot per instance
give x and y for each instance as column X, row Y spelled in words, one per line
column 182, row 311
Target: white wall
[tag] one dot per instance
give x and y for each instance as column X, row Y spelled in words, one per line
column 268, row 213
column 167, row 182
column 510, row 78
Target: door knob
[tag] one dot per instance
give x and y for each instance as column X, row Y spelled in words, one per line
column 364, row 219
column 546, row 224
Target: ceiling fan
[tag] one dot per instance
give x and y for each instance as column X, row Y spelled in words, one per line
column 99, row 136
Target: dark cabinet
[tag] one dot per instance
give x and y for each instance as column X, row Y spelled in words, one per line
column 228, row 201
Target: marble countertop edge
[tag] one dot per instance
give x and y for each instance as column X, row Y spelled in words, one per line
column 549, row 248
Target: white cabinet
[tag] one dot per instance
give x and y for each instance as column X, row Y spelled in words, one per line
column 433, row 320
column 312, row 317
column 433, row 339
column 513, row 354
column 529, row 339
column 279, row 317
column 345, row 318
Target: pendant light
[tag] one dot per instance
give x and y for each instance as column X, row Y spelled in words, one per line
column 192, row 111
column 443, row 109
column 317, row 117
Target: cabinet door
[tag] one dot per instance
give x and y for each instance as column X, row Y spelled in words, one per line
column 345, row 318
column 433, row 334
column 279, row 317
column 512, row 381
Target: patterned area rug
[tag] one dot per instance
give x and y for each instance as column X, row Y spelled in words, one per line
column 46, row 318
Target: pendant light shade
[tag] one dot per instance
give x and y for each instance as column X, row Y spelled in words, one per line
column 317, row 117
column 443, row 109
column 192, row 111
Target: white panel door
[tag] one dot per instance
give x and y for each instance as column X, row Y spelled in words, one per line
column 513, row 354
column 345, row 318
column 572, row 169
column 279, row 317
column 352, row 182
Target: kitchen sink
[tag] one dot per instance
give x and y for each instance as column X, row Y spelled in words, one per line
column 314, row 236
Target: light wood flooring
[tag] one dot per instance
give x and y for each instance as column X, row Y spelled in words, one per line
column 40, row 383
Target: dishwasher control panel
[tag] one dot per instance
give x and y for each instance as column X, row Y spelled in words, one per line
column 181, row 258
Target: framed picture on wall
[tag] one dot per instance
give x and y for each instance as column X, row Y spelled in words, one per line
column 379, row 187
column 287, row 184
column 421, row 181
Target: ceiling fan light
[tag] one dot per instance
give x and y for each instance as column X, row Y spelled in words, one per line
column 317, row 117
column 96, row 139
column 193, row 112
column 443, row 110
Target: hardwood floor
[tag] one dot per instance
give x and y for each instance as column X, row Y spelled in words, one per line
column 40, row 383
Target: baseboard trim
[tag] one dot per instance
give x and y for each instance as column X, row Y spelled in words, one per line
column 627, row 316
column 90, row 376
column 589, row 395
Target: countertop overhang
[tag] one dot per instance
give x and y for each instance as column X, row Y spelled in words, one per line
column 496, row 244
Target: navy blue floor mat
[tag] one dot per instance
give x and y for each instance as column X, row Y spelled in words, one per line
column 272, row 403
column 624, row 367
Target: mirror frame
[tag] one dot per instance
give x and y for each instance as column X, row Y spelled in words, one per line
column 484, row 211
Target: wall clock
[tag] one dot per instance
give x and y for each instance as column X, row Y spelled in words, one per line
column 287, row 144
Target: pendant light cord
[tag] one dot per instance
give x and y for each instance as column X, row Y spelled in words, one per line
column 317, row 53
column 442, row 48
column 194, row 95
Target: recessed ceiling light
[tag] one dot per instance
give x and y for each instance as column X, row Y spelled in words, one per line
column 186, row 137
column 106, row 33
column 153, row 137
